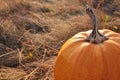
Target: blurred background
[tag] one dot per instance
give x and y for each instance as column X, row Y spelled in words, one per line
column 33, row 31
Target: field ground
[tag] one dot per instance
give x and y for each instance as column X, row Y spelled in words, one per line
column 33, row 31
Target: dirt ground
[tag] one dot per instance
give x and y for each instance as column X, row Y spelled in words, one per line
column 33, row 31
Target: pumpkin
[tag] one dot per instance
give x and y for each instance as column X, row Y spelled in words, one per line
column 90, row 55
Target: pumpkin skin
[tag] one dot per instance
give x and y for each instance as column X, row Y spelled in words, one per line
column 80, row 60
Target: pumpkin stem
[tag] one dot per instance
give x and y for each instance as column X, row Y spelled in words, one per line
column 95, row 36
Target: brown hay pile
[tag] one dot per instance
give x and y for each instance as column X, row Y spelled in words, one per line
column 32, row 32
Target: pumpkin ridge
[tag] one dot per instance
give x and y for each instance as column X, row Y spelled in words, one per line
column 111, row 60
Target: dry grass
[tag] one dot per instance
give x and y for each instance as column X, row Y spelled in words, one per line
column 32, row 32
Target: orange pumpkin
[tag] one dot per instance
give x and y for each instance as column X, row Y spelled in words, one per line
column 90, row 55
